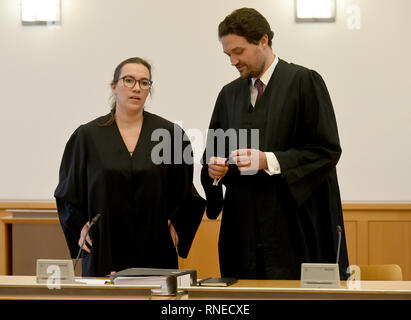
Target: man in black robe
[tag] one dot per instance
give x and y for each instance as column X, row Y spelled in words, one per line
column 282, row 203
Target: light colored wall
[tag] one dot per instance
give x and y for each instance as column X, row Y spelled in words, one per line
column 53, row 80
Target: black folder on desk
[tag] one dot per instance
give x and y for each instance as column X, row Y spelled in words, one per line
column 217, row 282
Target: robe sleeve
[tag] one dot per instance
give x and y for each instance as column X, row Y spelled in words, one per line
column 307, row 166
column 71, row 191
column 214, row 194
column 187, row 205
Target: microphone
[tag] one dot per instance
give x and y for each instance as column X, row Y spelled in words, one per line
column 95, row 219
column 339, row 230
column 93, row 222
column 322, row 275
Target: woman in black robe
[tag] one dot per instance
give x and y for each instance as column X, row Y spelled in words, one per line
column 150, row 209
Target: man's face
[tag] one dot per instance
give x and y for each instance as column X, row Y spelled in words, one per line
column 248, row 58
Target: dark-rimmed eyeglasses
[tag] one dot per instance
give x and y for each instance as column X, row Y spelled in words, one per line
column 130, row 82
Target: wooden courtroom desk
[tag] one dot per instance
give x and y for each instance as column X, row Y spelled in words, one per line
column 291, row 290
column 29, row 231
column 26, row 288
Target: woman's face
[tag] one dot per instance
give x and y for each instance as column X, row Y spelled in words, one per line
column 131, row 100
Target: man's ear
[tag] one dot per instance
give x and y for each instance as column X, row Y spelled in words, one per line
column 264, row 41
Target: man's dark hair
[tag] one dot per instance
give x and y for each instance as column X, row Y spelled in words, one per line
column 247, row 23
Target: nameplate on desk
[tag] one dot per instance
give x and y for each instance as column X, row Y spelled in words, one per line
column 320, row 275
column 54, row 271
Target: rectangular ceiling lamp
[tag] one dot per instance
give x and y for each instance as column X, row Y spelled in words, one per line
column 40, row 12
column 315, row 10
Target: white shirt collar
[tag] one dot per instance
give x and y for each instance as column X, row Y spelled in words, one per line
column 267, row 74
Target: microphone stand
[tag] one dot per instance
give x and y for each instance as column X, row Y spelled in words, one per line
column 94, row 221
column 339, row 230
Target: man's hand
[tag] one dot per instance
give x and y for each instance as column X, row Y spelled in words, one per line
column 217, row 167
column 249, row 159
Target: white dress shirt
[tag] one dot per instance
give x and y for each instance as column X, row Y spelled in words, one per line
column 272, row 162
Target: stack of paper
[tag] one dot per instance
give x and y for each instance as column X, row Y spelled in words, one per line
column 167, row 285
column 168, row 280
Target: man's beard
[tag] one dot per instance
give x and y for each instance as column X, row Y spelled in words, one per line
column 248, row 74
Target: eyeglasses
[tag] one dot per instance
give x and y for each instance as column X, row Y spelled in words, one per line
column 130, row 82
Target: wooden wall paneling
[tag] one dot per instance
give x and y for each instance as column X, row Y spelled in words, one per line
column 383, row 234
column 390, row 243
column 376, row 234
column 32, row 241
column 203, row 255
column 30, row 235
column 351, row 238
column 362, row 243
column 359, row 235
column 5, row 243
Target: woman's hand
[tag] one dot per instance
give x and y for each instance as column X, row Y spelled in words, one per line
column 88, row 239
column 173, row 233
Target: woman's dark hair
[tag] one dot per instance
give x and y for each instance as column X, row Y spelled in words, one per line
column 247, row 23
column 116, row 78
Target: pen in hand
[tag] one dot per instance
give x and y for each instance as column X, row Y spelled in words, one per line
column 215, row 182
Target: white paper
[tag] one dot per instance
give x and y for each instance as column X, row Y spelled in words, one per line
column 91, row 281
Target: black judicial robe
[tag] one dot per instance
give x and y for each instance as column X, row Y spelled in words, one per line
column 294, row 215
column 134, row 196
